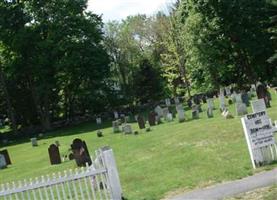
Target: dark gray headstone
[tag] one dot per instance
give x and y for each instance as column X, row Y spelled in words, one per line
column 80, row 152
column 54, row 154
column 141, row 122
column 5, row 153
column 152, row 118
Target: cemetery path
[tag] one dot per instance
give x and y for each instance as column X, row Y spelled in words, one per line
column 228, row 189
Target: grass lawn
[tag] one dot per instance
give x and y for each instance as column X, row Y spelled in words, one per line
column 152, row 165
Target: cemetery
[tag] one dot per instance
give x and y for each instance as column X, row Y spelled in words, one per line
column 150, row 164
column 138, row 100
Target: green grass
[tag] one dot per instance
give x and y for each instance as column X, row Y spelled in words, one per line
column 172, row 157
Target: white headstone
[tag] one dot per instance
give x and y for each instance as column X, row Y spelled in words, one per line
column 115, row 113
column 241, row 109
column 3, row 163
column 176, row 100
column 167, row 102
column 222, row 102
column 159, row 111
column 127, row 129
column 165, row 112
column 228, row 91
column 98, row 120
column 238, row 98
column 210, row 102
column 258, row 105
column 34, row 142
column 169, row 117
column 181, row 112
column 259, row 136
column 221, row 91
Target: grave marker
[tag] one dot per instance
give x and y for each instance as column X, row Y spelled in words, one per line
column 169, row 117
column 159, row 111
column 3, row 163
column 54, row 154
column 5, row 153
column 80, row 152
column 195, row 112
column 141, row 122
column 258, row 132
column 152, row 118
column 241, row 109
column 181, row 112
column 176, row 100
column 116, row 128
column 115, row 113
column 98, row 120
column 165, row 112
column 127, row 129
column 210, row 102
column 34, row 142
column 167, row 102
column 258, row 105
column 210, row 113
column 222, row 102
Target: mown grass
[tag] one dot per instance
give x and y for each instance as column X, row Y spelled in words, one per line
column 172, row 157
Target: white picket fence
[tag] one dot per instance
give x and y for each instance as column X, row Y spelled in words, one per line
column 100, row 181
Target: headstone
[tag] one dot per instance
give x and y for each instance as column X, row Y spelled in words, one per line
column 152, row 118
column 210, row 113
column 228, row 91
column 241, row 109
column 99, row 133
column 34, row 142
column 159, row 111
column 115, row 113
column 169, row 117
column 3, row 163
column 116, row 125
column 195, row 112
column 181, row 112
column 262, row 93
column 210, row 102
column 5, row 153
column 238, row 98
column 167, row 102
column 80, row 152
column 258, row 132
column 54, row 154
column 98, row 120
column 176, row 100
column 222, row 102
column 245, row 98
column 141, row 122
column 189, row 102
column 165, row 112
column 126, row 119
column 258, row 105
column 127, row 129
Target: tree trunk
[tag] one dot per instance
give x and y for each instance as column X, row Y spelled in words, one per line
column 10, row 109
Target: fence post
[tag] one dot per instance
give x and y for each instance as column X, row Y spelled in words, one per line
column 112, row 173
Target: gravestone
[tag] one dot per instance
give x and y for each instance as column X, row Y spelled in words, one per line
column 98, row 120
column 167, row 102
column 258, row 132
column 127, row 129
column 99, row 133
column 195, row 112
column 54, row 154
column 165, row 112
column 34, row 142
column 262, row 93
column 258, row 105
column 159, row 111
column 210, row 113
column 176, row 100
column 189, row 102
column 115, row 113
column 169, row 117
column 210, row 102
column 152, row 118
column 228, row 91
column 3, row 163
column 238, row 98
column 222, row 102
column 245, row 98
column 181, row 112
column 126, row 119
column 5, row 153
column 241, row 109
column 116, row 125
column 80, row 152
column 141, row 122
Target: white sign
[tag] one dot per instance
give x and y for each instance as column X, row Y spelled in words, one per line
column 258, row 105
column 258, row 132
column 3, row 163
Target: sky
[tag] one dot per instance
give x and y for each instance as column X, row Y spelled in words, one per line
column 120, row 9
